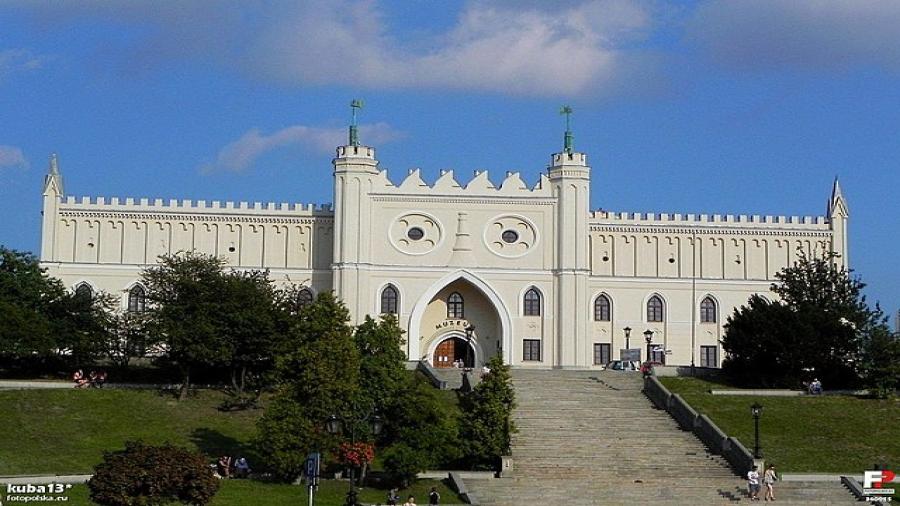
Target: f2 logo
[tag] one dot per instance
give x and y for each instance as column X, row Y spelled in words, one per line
column 877, row 479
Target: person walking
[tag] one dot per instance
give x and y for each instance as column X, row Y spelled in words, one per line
column 769, row 479
column 434, row 497
column 753, row 483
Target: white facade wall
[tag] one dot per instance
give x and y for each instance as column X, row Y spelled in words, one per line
column 568, row 254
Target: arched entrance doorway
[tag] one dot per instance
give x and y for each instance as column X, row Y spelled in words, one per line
column 453, row 303
column 452, row 352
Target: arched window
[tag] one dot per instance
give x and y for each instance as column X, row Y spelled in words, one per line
column 304, row 298
column 137, row 299
column 389, row 300
column 655, row 311
column 708, row 310
column 84, row 291
column 532, row 303
column 455, row 309
column 602, row 308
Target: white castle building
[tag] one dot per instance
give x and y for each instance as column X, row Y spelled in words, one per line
column 543, row 280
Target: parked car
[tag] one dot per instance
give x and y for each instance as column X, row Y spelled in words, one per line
column 623, row 365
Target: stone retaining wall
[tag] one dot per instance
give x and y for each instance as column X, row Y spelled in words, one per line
column 712, row 436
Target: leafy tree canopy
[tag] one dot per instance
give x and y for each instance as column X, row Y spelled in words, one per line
column 817, row 329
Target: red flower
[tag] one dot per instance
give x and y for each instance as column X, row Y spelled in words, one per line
column 356, row 454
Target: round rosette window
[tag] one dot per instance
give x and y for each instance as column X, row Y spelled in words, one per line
column 415, row 233
column 510, row 236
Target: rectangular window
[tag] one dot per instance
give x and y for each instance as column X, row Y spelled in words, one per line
column 531, row 349
column 709, row 356
column 601, row 353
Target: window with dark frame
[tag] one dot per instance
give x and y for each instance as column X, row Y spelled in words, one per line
column 137, row 299
column 304, row 297
column 709, row 356
column 455, row 307
column 532, row 303
column 655, row 311
column 84, row 291
column 602, row 308
column 708, row 311
column 602, row 353
column 531, row 350
column 389, row 300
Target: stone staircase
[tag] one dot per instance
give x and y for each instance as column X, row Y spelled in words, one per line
column 592, row 437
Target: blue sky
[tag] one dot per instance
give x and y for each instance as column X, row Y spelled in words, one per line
column 724, row 107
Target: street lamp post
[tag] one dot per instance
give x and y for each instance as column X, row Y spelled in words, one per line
column 627, row 337
column 335, row 425
column 648, row 336
column 756, row 410
column 470, row 330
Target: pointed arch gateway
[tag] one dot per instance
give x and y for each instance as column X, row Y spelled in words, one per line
column 415, row 332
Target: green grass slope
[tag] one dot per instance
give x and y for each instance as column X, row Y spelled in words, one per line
column 821, row 434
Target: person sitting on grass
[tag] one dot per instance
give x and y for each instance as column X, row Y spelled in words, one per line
column 79, row 379
column 223, row 466
column 99, row 379
column 241, row 468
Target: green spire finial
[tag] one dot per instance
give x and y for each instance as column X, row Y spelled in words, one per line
column 569, row 138
column 355, row 105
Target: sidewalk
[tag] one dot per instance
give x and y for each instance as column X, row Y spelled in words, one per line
column 44, row 479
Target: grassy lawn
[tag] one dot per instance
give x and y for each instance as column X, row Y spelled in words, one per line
column 331, row 493
column 827, row 434
column 66, row 431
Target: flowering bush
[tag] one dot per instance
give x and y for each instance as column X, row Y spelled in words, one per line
column 356, row 454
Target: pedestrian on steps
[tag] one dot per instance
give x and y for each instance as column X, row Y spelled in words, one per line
column 753, row 483
column 769, row 480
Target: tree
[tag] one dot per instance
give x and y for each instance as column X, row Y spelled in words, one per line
column 152, row 475
column 422, row 433
column 249, row 322
column 881, row 362
column 184, row 292
column 816, row 329
column 317, row 372
column 487, row 416
column 382, row 372
column 38, row 316
column 128, row 336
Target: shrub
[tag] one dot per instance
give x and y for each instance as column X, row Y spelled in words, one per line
column 152, row 475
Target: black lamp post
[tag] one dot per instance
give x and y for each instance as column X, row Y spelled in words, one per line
column 470, row 330
column 335, row 425
column 756, row 410
column 627, row 337
column 648, row 336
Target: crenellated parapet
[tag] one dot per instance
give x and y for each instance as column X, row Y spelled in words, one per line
column 480, row 185
column 146, row 205
column 709, row 220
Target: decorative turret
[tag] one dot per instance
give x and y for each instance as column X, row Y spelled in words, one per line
column 53, row 180
column 837, row 205
column 570, row 179
column 52, row 194
column 838, row 212
column 355, row 169
column 462, row 248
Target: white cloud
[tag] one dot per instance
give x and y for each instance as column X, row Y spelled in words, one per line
column 501, row 46
column 800, row 34
column 498, row 47
column 19, row 60
column 240, row 155
column 11, row 156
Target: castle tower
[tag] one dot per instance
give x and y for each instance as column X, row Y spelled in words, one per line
column 570, row 179
column 52, row 194
column 838, row 213
column 355, row 167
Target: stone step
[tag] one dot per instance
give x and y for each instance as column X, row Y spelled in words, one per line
column 592, row 437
